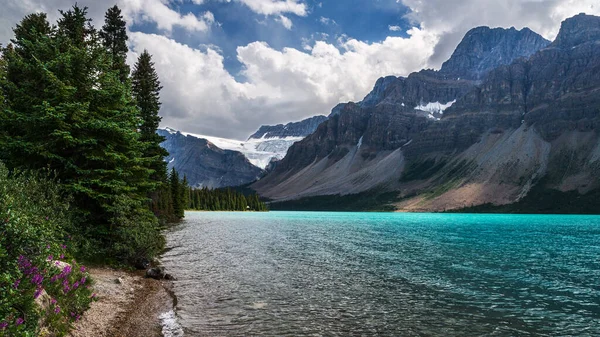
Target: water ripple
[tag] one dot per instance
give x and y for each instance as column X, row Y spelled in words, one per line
column 340, row 274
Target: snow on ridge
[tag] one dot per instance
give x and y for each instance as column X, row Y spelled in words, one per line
column 259, row 152
column 435, row 107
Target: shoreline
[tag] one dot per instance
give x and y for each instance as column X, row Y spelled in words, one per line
column 128, row 305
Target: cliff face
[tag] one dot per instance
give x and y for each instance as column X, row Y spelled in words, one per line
column 294, row 129
column 206, row 165
column 483, row 49
column 505, row 112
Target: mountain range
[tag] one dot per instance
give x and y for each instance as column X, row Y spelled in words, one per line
column 509, row 117
column 215, row 162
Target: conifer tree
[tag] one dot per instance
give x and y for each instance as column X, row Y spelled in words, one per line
column 114, row 38
column 176, row 194
column 67, row 111
column 146, row 90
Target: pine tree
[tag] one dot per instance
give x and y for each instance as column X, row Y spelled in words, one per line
column 114, row 38
column 176, row 194
column 184, row 188
column 67, row 111
column 146, row 90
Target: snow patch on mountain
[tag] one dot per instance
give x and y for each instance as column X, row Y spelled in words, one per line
column 259, row 152
column 434, row 109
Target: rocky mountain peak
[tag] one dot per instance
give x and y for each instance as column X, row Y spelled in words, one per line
column 579, row 29
column 294, row 129
column 483, row 49
column 376, row 95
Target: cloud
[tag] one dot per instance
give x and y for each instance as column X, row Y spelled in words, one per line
column 201, row 96
column 394, row 28
column 276, row 7
column 135, row 11
column 451, row 19
column 165, row 18
column 327, row 21
column 285, row 21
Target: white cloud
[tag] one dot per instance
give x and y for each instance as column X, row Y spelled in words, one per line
column 327, row 21
column 276, row 7
column 394, row 28
column 199, row 95
column 451, row 19
column 153, row 11
column 165, row 18
column 285, row 21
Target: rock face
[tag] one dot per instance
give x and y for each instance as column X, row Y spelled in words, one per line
column 483, row 49
column 217, row 162
column 506, row 112
column 206, row 165
column 294, row 129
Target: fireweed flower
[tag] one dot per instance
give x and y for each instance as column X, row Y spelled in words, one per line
column 19, row 321
column 3, row 325
column 53, row 301
column 82, row 269
column 37, row 293
column 50, row 257
column 62, row 256
column 57, row 309
column 16, row 284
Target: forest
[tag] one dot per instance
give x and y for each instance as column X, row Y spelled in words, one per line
column 82, row 175
column 223, row 200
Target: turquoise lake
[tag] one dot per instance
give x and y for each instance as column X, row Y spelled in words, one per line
column 384, row 274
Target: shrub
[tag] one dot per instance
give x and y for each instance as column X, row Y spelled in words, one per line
column 137, row 231
column 34, row 220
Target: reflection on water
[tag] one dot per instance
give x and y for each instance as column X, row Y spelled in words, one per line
column 310, row 274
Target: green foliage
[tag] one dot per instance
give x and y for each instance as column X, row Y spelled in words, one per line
column 223, row 200
column 67, row 109
column 114, row 39
column 146, row 90
column 137, row 234
column 35, row 218
column 177, row 194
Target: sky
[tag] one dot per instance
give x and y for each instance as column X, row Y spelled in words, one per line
column 229, row 66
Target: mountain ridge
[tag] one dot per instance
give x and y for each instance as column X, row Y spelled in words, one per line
column 505, row 132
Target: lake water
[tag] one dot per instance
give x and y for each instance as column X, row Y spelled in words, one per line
column 341, row 274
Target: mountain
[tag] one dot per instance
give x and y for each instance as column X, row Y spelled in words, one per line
column 294, row 129
column 219, row 162
column 205, row 164
column 508, row 113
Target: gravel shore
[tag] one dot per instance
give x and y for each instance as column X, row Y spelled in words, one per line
column 129, row 305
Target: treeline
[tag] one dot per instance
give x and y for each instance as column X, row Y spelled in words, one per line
column 82, row 173
column 70, row 105
column 223, row 200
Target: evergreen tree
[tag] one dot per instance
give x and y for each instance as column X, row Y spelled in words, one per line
column 114, row 38
column 146, row 90
column 66, row 110
column 176, row 195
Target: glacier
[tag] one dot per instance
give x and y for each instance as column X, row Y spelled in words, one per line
column 259, row 151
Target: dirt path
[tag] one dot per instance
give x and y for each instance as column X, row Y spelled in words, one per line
column 129, row 305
